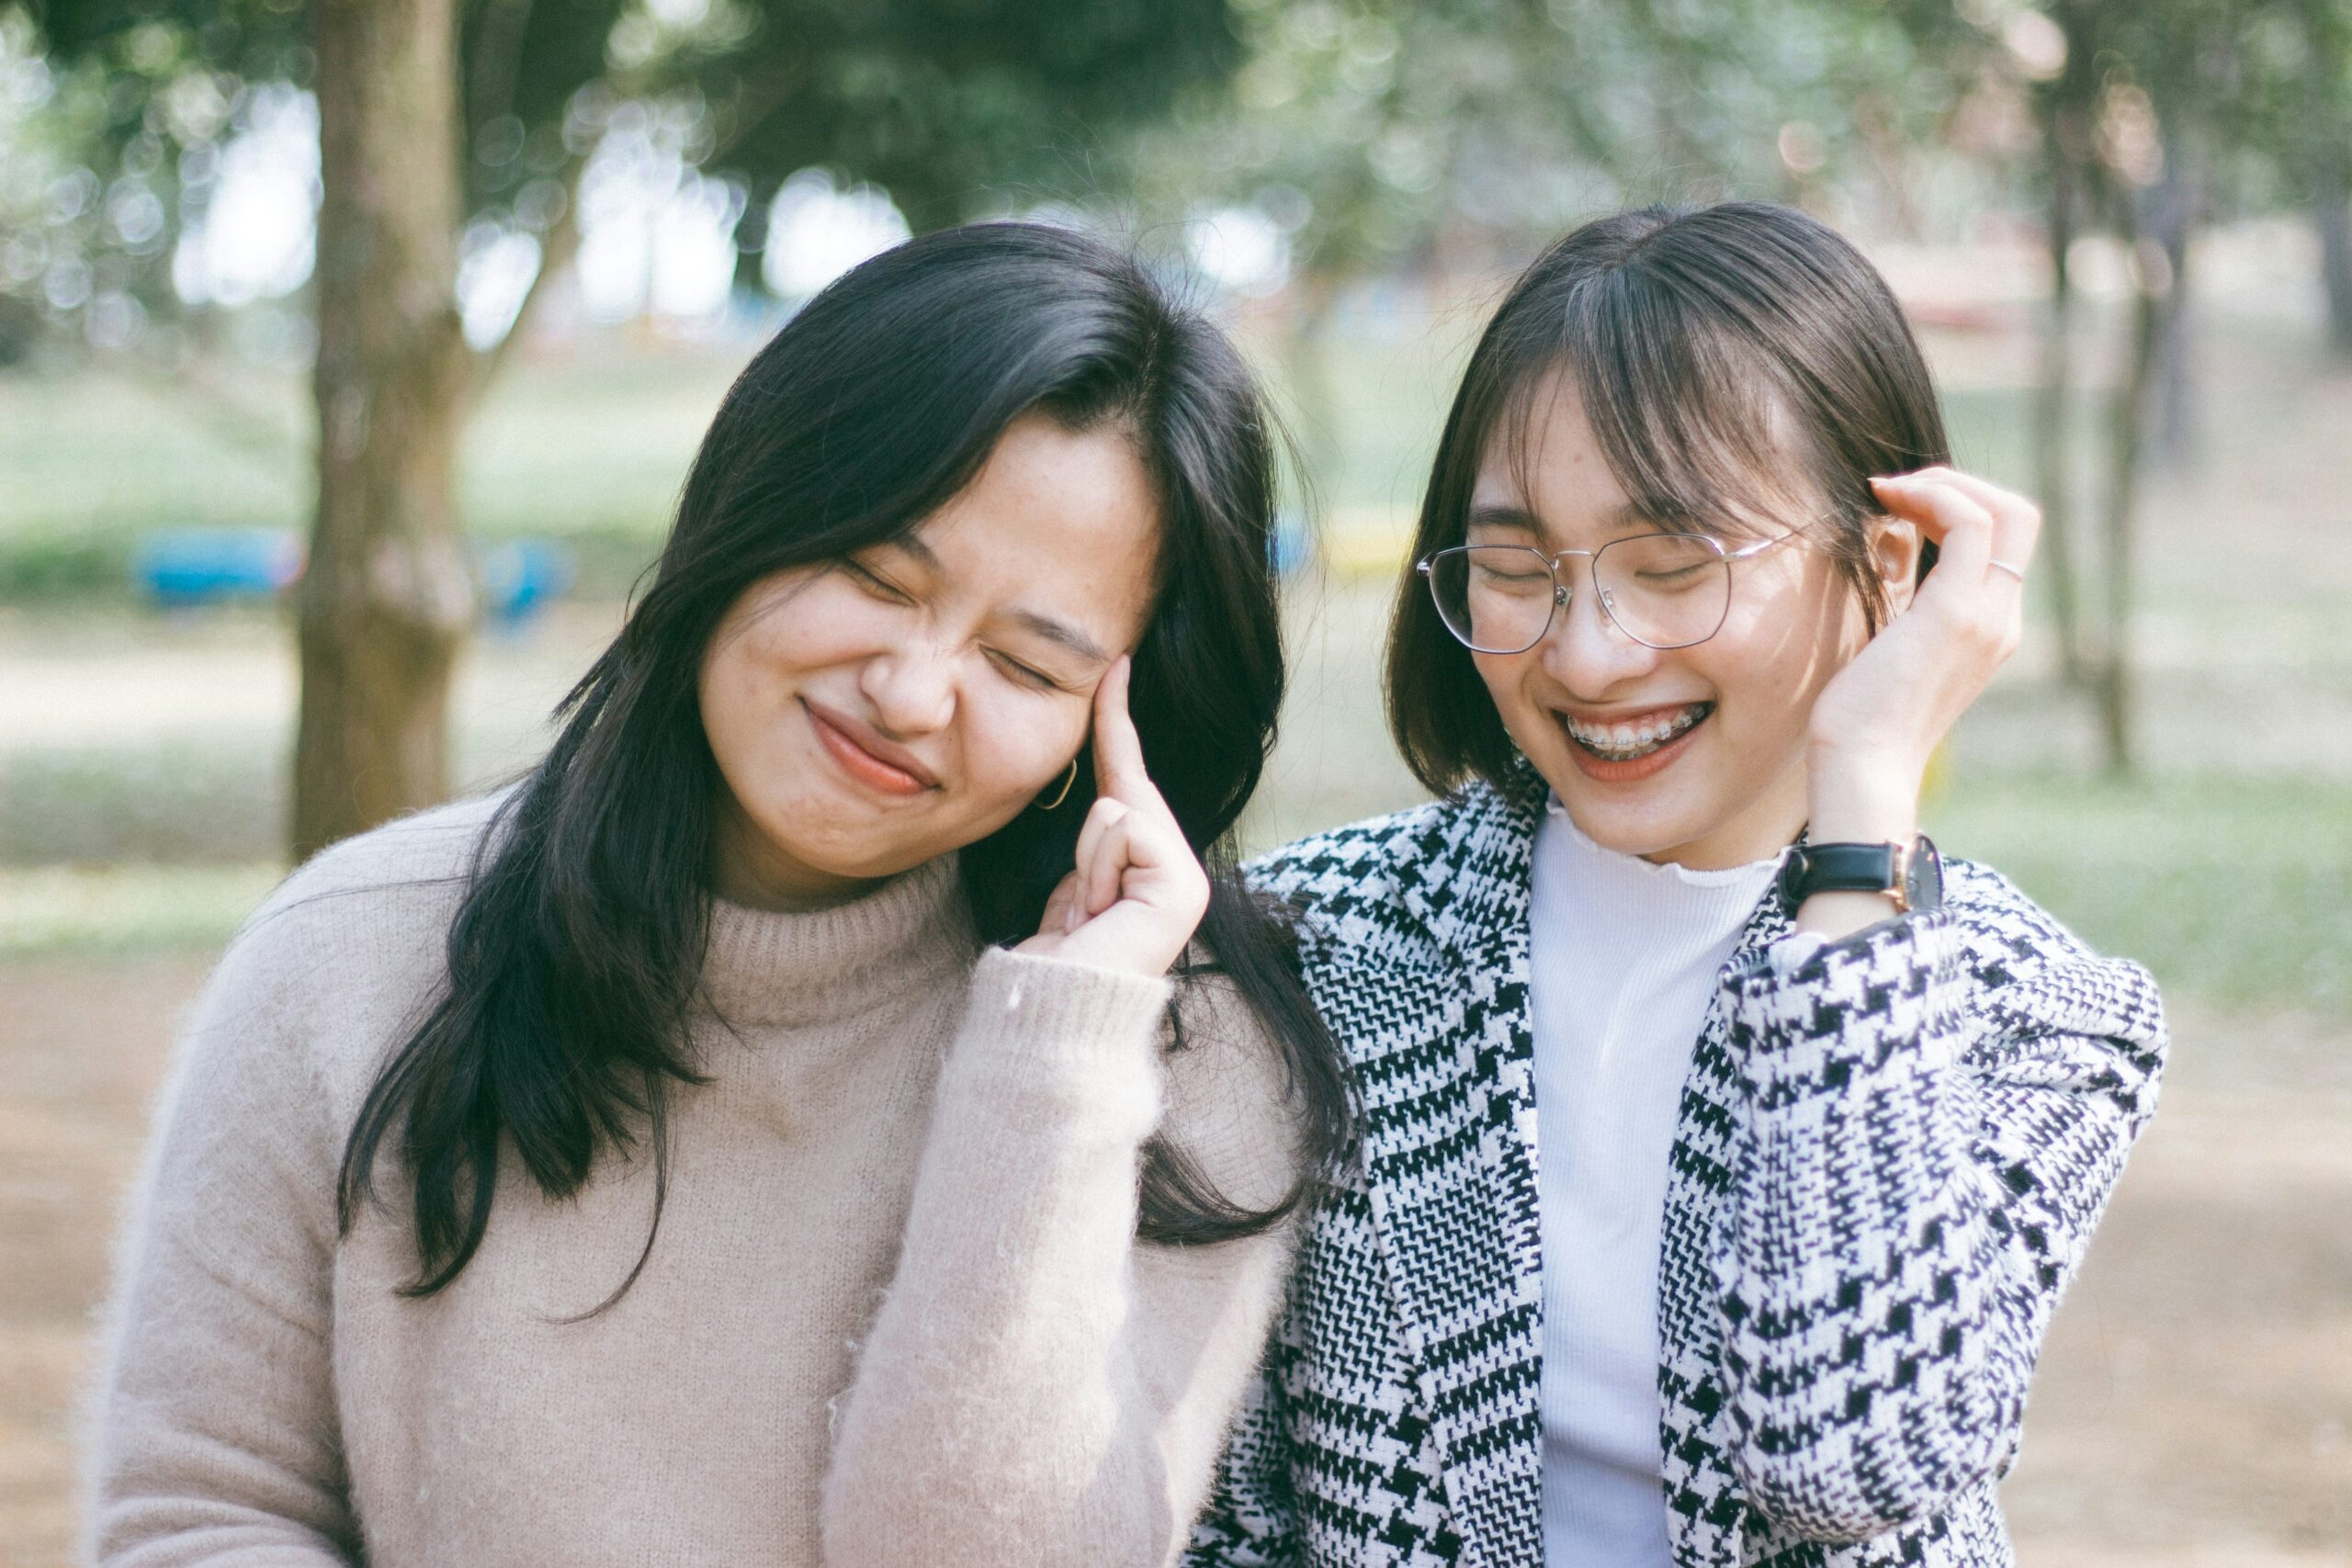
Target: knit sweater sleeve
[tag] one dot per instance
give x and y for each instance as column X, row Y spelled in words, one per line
column 216, row 1435
column 1940, row 1105
column 1040, row 1388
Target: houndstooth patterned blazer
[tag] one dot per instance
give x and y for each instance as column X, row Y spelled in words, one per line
column 1890, row 1153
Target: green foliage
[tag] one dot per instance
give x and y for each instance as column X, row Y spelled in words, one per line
column 947, row 104
column 2258, row 93
column 1385, row 123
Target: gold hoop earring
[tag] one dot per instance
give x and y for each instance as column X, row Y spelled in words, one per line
column 1067, row 784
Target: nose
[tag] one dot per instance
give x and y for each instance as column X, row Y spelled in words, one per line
column 912, row 688
column 1585, row 650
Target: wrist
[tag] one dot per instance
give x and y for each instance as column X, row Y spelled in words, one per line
column 1861, row 801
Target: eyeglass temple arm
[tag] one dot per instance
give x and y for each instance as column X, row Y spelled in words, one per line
column 1760, row 546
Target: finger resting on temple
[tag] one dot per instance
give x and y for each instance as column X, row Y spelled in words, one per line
column 1118, row 750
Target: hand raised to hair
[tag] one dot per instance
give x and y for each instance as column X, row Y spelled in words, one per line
column 1138, row 892
column 1879, row 720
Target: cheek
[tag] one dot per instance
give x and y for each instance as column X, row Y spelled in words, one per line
column 762, row 654
column 1015, row 743
column 741, row 704
column 1506, row 677
column 750, row 671
column 1775, row 653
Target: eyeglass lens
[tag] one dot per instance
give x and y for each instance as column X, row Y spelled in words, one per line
column 1663, row 590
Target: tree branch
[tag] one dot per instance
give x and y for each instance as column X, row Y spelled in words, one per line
column 557, row 246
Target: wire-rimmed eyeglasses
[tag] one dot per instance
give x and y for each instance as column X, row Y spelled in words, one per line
column 1665, row 590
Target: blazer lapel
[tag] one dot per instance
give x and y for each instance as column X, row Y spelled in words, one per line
column 1444, row 1053
column 1706, row 1518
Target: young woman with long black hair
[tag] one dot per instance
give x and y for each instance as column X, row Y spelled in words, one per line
column 763, row 1135
column 1720, row 1164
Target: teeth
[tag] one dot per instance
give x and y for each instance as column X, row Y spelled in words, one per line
column 1628, row 739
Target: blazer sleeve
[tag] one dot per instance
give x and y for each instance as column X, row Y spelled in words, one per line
column 1252, row 1519
column 1040, row 1388
column 1940, row 1107
column 215, row 1435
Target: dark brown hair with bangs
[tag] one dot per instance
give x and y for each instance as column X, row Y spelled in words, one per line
column 1742, row 367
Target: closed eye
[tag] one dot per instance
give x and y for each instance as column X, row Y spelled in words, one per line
column 1026, row 675
column 874, row 583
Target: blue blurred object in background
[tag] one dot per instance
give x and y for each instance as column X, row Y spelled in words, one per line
column 178, row 569
column 184, row 569
column 522, row 576
column 1290, row 544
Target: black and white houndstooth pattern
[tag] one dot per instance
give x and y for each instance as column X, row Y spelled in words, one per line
column 1891, row 1153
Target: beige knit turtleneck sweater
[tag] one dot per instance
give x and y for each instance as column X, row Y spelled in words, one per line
column 895, row 1315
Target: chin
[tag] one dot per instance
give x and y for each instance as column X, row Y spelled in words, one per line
column 1625, row 827
column 1639, row 821
column 831, row 838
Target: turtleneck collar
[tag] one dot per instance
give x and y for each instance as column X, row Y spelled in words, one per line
column 1633, row 871
column 772, row 968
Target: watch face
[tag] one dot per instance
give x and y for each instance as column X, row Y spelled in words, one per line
column 1923, row 881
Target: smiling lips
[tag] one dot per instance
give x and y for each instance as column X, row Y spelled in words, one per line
column 1623, row 749
column 866, row 757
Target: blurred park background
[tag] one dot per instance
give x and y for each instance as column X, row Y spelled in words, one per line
column 515, row 250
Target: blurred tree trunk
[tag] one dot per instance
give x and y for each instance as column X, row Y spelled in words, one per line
column 2332, row 214
column 2161, row 222
column 388, row 595
column 2326, row 134
column 2175, row 432
column 2053, row 426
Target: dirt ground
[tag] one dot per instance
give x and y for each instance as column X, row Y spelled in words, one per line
column 2194, row 1409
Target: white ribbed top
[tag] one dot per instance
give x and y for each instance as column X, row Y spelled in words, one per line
column 1623, row 960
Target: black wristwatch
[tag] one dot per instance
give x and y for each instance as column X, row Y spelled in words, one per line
column 1912, row 875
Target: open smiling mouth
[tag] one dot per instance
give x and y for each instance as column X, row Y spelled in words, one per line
column 1631, row 742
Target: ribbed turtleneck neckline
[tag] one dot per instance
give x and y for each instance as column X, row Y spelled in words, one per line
column 1626, row 870
column 779, row 968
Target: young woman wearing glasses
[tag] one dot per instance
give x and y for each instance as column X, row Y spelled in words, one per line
column 1721, row 1161
column 762, row 1135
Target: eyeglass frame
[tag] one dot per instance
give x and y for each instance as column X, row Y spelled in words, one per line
column 1563, row 594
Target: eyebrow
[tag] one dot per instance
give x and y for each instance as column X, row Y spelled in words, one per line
column 912, row 544
column 1059, row 633
column 1062, row 634
column 1625, row 518
column 1497, row 515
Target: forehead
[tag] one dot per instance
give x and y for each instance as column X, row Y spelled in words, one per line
column 1543, row 464
column 1064, row 523
column 1735, row 467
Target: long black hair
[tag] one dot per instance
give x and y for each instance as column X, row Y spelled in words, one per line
column 575, row 955
column 1698, row 337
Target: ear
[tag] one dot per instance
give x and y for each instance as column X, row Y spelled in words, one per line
column 1895, row 545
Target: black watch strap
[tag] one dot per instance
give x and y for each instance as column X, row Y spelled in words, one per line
column 1909, row 873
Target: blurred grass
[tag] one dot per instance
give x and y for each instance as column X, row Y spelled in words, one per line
column 178, row 803
column 117, row 909
column 2231, row 889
